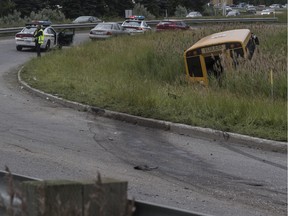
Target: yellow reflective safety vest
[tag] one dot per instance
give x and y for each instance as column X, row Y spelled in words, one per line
column 40, row 38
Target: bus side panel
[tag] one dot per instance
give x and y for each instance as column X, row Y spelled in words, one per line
column 204, row 70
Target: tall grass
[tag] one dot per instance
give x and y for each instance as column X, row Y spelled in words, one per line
column 145, row 75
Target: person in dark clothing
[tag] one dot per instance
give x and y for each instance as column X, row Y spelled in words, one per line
column 39, row 39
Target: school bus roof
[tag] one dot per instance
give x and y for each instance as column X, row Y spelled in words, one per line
column 222, row 37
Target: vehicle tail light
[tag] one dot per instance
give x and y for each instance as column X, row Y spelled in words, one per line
column 24, row 35
column 109, row 33
column 139, row 28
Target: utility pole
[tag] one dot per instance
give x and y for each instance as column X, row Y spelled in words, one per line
column 224, row 7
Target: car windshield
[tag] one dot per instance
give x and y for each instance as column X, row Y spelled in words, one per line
column 104, row 26
column 83, row 18
column 181, row 23
column 29, row 30
column 132, row 23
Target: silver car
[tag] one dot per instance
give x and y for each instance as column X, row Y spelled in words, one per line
column 136, row 26
column 267, row 12
column 106, row 30
column 25, row 38
column 233, row 13
column 194, row 14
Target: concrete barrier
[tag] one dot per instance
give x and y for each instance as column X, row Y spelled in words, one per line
column 107, row 197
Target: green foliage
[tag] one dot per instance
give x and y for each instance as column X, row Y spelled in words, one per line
column 48, row 14
column 15, row 18
column 25, row 7
column 141, row 10
column 6, row 7
column 145, row 75
column 12, row 19
column 180, row 11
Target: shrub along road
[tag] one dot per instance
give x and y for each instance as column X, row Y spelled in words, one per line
column 45, row 140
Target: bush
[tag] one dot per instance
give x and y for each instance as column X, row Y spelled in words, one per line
column 15, row 19
column 48, row 14
column 12, row 19
column 141, row 10
column 180, row 11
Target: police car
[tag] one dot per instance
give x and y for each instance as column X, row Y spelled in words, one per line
column 25, row 38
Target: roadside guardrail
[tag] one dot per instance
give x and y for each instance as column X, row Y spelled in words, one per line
column 141, row 208
column 152, row 22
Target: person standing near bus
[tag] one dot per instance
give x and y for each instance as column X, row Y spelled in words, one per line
column 39, row 39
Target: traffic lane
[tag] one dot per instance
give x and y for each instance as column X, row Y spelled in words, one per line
column 10, row 56
column 70, row 150
column 235, row 173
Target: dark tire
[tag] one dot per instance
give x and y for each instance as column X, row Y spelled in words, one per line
column 47, row 47
column 19, row 48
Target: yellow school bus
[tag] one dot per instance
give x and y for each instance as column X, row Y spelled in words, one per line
column 203, row 58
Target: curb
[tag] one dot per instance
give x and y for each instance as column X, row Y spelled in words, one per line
column 182, row 129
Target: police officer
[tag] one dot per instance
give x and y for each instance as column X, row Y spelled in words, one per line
column 39, row 39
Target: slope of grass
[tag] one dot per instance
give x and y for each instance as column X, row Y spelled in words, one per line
column 144, row 75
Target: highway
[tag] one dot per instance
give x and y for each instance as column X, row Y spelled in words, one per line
column 45, row 140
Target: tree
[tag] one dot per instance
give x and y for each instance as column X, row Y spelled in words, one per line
column 71, row 8
column 180, row 11
column 27, row 6
column 118, row 7
column 6, row 7
column 153, row 6
column 141, row 10
column 194, row 5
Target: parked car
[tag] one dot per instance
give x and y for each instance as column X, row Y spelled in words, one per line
column 251, row 9
column 86, row 19
column 228, row 8
column 242, row 5
column 25, row 38
column 233, row 13
column 194, row 14
column 267, row 11
column 135, row 26
column 107, row 30
column 172, row 25
column 274, row 6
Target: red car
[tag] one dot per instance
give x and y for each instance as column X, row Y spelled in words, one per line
column 172, row 25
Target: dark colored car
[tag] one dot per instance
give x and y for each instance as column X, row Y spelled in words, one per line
column 87, row 19
column 172, row 25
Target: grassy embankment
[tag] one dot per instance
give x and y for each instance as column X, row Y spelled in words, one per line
column 144, row 75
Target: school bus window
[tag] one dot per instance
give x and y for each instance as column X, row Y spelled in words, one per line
column 194, row 66
column 213, row 65
column 236, row 53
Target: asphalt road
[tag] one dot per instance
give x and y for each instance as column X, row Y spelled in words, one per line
column 44, row 140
